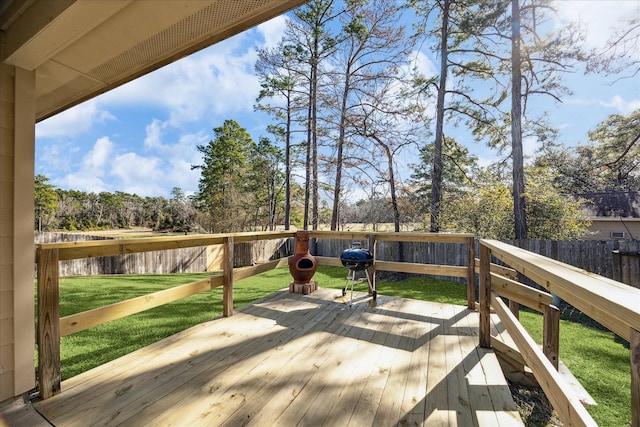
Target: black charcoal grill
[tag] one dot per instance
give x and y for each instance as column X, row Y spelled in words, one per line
column 357, row 259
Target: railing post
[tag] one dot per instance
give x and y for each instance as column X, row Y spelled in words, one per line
column 485, row 297
column 49, row 376
column 551, row 334
column 635, row 377
column 227, row 272
column 471, row 273
column 372, row 269
column 514, row 308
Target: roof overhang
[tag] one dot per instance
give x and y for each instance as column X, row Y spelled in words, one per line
column 82, row 48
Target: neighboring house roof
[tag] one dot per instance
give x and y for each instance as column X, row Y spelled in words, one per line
column 613, row 204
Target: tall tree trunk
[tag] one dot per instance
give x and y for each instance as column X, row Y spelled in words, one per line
column 287, row 163
column 519, row 211
column 307, row 184
column 272, row 204
column 314, row 153
column 436, row 177
column 338, row 184
column 399, row 255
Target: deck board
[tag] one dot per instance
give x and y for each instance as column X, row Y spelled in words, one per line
column 292, row 359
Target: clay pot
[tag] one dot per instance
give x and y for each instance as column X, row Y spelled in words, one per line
column 302, row 265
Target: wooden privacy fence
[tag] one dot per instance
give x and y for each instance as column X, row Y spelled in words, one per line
column 612, row 304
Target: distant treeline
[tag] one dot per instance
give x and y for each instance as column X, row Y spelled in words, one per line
column 72, row 210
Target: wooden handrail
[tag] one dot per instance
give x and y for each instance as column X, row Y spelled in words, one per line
column 99, row 248
column 612, row 304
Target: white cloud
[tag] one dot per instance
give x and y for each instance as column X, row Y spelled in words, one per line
column 96, row 160
column 139, row 175
column 421, row 63
column 213, row 81
column 167, row 165
column 623, row 106
column 90, row 176
column 599, row 17
column 86, row 183
column 273, row 30
column 616, row 102
column 530, row 144
column 56, row 157
column 154, row 134
column 74, row 121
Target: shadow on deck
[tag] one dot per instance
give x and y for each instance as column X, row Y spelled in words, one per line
column 291, row 359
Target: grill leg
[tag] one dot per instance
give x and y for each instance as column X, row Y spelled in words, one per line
column 353, row 279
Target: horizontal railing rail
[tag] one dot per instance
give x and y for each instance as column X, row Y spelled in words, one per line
column 612, row 304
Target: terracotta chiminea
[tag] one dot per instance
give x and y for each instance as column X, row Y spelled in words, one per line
column 302, row 266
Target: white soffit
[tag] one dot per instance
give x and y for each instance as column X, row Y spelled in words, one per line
column 81, row 48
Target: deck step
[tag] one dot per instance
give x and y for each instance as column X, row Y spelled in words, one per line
column 515, row 368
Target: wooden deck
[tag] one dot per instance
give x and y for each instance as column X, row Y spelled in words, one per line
column 309, row 360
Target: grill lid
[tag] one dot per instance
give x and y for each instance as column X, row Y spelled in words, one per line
column 356, row 258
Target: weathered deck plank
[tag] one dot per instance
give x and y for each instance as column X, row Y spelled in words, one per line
column 292, row 359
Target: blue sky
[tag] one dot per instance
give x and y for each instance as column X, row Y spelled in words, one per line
column 141, row 137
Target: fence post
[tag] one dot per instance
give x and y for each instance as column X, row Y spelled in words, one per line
column 485, row 297
column 471, row 273
column 551, row 334
column 49, row 376
column 635, row 377
column 227, row 272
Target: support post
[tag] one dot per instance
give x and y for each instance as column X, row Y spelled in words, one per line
column 514, row 308
column 551, row 334
column 227, row 271
column 485, row 297
column 372, row 269
column 471, row 273
column 49, row 376
column 635, row 377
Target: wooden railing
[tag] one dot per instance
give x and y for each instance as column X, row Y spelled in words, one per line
column 51, row 327
column 467, row 271
column 612, row 304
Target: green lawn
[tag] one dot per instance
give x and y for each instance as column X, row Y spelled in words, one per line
column 600, row 364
